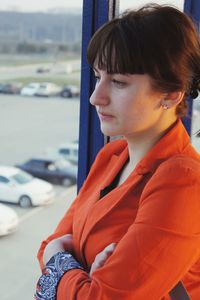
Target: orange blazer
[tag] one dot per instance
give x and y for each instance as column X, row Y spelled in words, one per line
column 154, row 217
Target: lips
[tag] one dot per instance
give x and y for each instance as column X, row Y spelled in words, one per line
column 105, row 116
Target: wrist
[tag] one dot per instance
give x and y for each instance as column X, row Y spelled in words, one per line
column 55, row 268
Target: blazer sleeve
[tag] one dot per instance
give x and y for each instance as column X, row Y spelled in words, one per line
column 157, row 250
column 66, row 223
column 64, row 227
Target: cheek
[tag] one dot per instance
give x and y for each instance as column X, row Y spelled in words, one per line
column 136, row 112
column 132, row 108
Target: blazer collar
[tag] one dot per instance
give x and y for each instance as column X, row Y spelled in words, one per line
column 173, row 142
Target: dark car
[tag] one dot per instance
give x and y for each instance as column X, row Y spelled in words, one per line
column 42, row 70
column 10, row 88
column 57, row 172
column 70, row 91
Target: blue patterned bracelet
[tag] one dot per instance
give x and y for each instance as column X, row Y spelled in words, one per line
column 59, row 264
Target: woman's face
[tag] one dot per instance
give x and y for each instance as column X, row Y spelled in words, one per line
column 126, row 104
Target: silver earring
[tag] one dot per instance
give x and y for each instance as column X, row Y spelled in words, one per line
column 165, row 106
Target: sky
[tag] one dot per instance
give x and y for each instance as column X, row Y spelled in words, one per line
column 46, row 5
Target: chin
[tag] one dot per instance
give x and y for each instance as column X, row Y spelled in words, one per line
column 110, row 131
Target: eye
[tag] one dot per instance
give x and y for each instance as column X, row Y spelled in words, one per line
column 97, row 77
column 119, row 83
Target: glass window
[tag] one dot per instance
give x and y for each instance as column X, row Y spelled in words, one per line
column 4, row 179
column 195, row 137
column 125, row 4
column 36, row 163
column 22, row 177
column 64, row 151
column 40, row 55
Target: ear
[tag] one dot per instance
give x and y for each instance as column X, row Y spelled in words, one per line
column 172, row 99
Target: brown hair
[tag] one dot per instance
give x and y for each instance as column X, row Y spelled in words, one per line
column 160, row 41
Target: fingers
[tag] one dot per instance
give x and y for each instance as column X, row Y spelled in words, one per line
column 52, row 248
column 63, row 243
column 67, row 242
column 110, row 248
column 102, row 257
column 66, row 237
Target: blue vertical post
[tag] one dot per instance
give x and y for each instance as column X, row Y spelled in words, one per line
column 192, row 8
column 95, row 14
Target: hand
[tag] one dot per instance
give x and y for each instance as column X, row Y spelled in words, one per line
column 63, row 243
column 102, row 256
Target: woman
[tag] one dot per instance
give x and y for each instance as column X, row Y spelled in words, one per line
column 133, row 231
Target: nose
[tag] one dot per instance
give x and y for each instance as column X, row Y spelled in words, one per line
column 100, row 95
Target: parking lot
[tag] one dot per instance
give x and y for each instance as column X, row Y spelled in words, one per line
column 29, row 126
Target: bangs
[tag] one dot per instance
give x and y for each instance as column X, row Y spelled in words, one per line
column 116, row 49
column 156, row 40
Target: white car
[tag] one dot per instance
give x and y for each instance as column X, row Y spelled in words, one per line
column 30, row 89
column 47, row 89
column 9, row 220
column 17, row 186
column 67, row 151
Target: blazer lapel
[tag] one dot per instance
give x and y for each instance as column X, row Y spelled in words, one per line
column 89, row 198
column 102, row 207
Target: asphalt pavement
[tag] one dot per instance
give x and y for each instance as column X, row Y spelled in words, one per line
column 30, row 125
column 19, row 267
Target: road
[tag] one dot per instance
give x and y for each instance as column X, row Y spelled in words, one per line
column 23, row 71
column 28, row 126
column 19, row 268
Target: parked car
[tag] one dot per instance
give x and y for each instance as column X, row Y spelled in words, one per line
column 42, row 70
column 9, row 220
column 48, row 89
column 11, row 88
column 16, row 186
column 70, row 91
column 30, row 89
column 67, row 151
column 55, row 171
column 2, row 87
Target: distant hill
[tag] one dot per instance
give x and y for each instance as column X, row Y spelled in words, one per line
column 40, row 27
